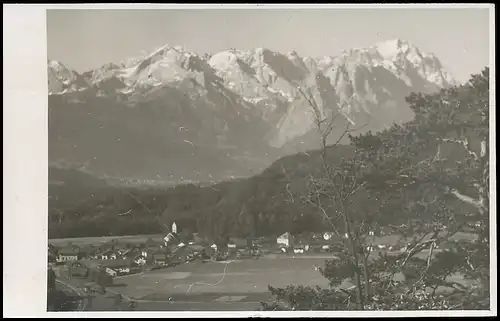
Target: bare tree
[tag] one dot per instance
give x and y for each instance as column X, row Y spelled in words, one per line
column 332, row 191
column 351, row 193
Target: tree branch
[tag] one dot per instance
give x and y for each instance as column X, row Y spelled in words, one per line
column 464, row 143
column 469, row 200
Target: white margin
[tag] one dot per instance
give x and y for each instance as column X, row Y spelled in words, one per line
column 25, row 161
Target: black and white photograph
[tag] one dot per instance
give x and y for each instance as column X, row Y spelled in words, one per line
column 268, row 159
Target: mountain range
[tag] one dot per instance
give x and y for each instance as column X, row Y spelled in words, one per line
column 173, row 115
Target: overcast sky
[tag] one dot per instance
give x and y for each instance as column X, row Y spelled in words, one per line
column 86, row 39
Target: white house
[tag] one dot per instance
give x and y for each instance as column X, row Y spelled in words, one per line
column 285, row 239
column 299, row 250
column 111, row 272
column 123, row 270
column 169, row 238
column 140, row 260
column 69, row 253
column 174, row 228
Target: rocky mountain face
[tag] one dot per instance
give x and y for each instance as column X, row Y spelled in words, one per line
column 175, row 115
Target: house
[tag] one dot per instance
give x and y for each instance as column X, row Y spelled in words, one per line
column 172, row 239
column 160, row 259
column 327, row 236
column 68, row 253
column 124, row 253
column 112, row 267
column 104, row 251
column 299, row 249
column 123, row 270
column 325, row 247
column 187, row 253
column 140, row 260
column 111, row 272
column 105, row 255
column 286, row 240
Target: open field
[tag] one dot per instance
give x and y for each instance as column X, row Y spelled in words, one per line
column 104, row 239
column 221, row 282
column 386, row 240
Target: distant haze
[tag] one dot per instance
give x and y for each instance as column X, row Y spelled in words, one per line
column 87, row 39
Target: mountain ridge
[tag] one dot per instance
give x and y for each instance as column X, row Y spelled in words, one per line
column 240, row 109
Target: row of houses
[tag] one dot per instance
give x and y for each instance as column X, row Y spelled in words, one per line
column 148, row 252
column 305, row 241
column 158, row 252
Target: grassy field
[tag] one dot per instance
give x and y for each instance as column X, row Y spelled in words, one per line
column 104, row 239
column 237, row 277
column 386, row 240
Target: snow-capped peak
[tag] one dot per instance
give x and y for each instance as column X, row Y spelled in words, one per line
column 427, row 64
column 61, row 79
column 390, row 49
column 60, row 70
column 56, row 65
column 398, row 56
column 245, row 70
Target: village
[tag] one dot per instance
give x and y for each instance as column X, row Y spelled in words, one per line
column 117, row 257
column 157, row 268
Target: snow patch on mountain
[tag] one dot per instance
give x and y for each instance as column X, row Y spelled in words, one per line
column 362, row 83
column 62, row 80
